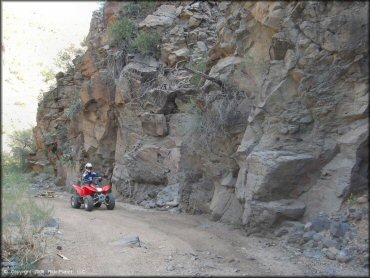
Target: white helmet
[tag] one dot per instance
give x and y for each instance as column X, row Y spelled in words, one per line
column 88, row 167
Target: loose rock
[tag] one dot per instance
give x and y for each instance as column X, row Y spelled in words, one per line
column 338, row 229
column 344, row 256
column 331, row 252
column 308, row 236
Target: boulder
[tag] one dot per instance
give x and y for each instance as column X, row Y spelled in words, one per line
column 176, row 56
column 317, row 237
column 344, row 256
column 200, row 196
column 328, row 242
column 229, row 180
column 281, row 231
column 307, row 236
column 331, row 252
column 312, row 253
column 294, row 237
column 88, row 67
column 264, row 215
column 279, row 46
column 160, row 101
column 224, row 69
column 148, row 204
column 142, row 165
column 269, row 14
column 132, row 79
column 339, row 229
column 320, row 223
column 169, row 196
column 154, row 124
column 162, row 18
column 349, row 38
column 220, row 202
column 276, row 173
column 308, row 226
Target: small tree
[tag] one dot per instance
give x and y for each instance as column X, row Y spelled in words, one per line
column 22, row 144
column 63, row 62
column 65, row 56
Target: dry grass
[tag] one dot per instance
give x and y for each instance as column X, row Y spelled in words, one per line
column 22, row 222
column 212, row 118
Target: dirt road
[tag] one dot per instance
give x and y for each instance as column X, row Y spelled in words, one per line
column 170, row 245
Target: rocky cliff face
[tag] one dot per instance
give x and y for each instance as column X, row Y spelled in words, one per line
column 253, row 112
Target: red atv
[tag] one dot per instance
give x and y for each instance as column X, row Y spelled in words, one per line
column 92, row 196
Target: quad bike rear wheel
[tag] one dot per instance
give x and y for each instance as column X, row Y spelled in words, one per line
column 89, row 203
column 110, row 202
column 75, row 201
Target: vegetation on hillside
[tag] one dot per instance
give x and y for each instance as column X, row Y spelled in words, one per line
column 22, row 144
column 124, row 33
column 23, row 242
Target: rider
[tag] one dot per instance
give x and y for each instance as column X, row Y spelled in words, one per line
column 88, row 175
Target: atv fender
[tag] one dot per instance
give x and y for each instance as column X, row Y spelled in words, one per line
column 106, row 189
column 78, row 189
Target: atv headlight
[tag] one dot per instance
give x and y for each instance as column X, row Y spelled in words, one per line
column 100, row 190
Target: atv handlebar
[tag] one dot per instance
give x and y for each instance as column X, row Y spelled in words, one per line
column 95, row 181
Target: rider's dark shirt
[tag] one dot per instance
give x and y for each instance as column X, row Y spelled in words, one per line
column 89, row 176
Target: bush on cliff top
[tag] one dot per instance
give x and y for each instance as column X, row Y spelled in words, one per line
column 147, row 43
column 122, row 32
column 139, row 9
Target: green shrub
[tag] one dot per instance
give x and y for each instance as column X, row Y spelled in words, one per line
column 139, row 8
column 132, row 8
column 148, row 6
column 351, row 200
column 22, row 221
column 122, row 32
column 147, row 43
column 198, row 66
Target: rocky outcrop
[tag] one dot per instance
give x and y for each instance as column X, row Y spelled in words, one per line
column 254, row 112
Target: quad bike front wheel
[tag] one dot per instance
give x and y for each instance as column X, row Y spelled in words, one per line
column 89, row 203
column 110, row 202
column 75, row 201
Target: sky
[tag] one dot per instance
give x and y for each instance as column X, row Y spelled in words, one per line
column 32, row 34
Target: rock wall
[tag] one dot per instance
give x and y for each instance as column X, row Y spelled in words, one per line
column 274, row 128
